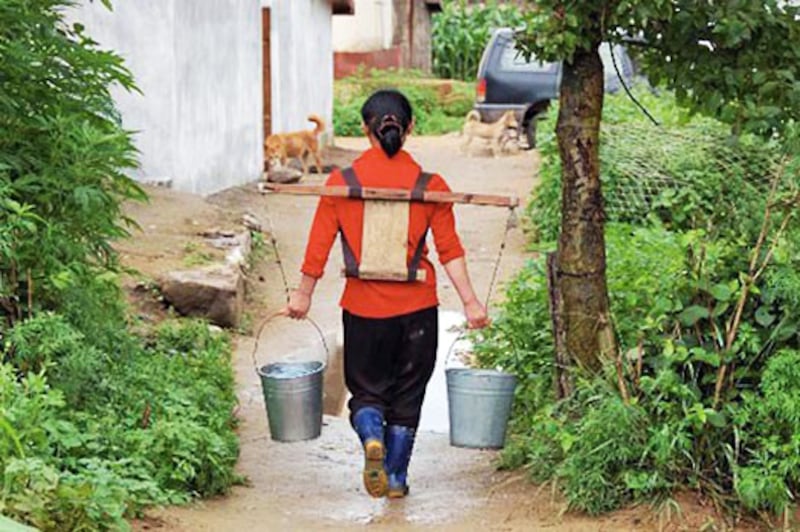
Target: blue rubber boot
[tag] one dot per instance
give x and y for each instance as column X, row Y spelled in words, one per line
column 399, row 443
column 368, row 423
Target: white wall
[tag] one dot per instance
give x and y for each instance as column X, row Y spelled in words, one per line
column 302, row 63
column 198, row 64
column 371, row 28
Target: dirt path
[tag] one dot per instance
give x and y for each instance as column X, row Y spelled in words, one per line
column 316, row 485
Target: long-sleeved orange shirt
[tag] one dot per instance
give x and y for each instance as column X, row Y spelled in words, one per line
column 383, row 299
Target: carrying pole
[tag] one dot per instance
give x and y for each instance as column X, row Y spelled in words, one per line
column 390, row 194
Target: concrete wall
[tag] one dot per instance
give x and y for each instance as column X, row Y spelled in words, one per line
column 198, row 64
column 302, row 63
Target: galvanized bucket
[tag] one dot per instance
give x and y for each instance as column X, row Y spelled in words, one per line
column 479, row 402
column 293, row 394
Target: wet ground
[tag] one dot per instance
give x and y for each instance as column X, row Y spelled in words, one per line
column 316, row 484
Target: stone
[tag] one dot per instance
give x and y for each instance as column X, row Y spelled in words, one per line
column 251, row 221
column 215, row 293
column 284, row 175
column 238, row 254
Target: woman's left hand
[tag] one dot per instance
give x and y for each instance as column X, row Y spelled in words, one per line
column 477, row 318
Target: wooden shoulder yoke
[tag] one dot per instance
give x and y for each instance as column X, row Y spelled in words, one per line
column 390, row 194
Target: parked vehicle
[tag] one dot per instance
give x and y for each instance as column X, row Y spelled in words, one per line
column 506, row 80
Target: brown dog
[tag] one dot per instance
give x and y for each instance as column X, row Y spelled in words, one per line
column 297, row 144
column 497, row 133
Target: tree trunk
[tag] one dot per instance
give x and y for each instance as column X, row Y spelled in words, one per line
column 581, row 296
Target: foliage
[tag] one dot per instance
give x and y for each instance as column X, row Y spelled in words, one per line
column 732, row 61
column 461, row 31
column 689, row 173
column 706, row 314
column 91, row 436
column 607, row 446
column 63, row 157
column 95, row 422
column 439, row 106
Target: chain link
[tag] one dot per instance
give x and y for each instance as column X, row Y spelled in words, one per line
column 287, row 292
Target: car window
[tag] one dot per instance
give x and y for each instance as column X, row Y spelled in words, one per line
column 512, row 60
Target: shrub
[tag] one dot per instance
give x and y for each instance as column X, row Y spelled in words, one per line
column 111, row 433
column 688, row 173
column 657, row 418
column 63, row 157
column 439, row 106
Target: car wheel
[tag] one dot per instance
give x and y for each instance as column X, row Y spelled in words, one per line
column 530, row 133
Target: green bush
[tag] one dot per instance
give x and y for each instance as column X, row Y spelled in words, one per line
column 461, row 32
column 95, row 422
column 673, row 297
column 111, row 433
column 688, row 172
column 439, row 106
column 63, row 157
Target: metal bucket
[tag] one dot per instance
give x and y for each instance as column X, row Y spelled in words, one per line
column 479, row 402
column 293, row 394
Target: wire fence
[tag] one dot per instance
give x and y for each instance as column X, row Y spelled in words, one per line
column 644, row 165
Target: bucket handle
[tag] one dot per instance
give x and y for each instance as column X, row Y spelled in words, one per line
column 277, row 314
column 461, row 335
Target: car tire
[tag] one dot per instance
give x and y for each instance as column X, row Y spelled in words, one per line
column 530, row 133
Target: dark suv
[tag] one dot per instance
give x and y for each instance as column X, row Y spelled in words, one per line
column 507, row 81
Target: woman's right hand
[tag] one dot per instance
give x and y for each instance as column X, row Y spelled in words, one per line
column 299, row 303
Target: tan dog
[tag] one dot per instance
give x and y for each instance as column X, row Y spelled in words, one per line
column 296, row 144
column 497, row 133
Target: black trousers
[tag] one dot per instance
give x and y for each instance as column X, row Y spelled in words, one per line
column 389, row 361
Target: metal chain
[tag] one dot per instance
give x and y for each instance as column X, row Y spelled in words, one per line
column 287, row 292
column 511, row 222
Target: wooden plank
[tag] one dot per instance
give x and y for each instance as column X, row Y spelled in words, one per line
column 384, row 238
column 392, row 194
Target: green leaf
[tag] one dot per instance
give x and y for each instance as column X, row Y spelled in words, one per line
column 717, row 419
column 721, row 292
column 764, row 317
column 701, row 355
column 693, row 314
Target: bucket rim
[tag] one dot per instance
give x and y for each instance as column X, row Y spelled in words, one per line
column 477, row 372
column 321, row 365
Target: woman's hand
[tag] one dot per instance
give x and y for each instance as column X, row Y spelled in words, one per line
column 477, row 318
column 299, row 303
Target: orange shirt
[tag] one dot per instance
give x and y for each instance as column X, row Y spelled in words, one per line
column 383, row 299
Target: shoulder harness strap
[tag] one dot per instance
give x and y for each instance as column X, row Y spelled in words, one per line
column 418, row 194
column 352, row 182
column 354, row 191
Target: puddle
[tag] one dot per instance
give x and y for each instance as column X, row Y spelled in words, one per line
column 434, row 409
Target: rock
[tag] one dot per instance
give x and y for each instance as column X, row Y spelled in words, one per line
column 284, row 174
column 212, row 292
column 252, row 222
column 237, row 255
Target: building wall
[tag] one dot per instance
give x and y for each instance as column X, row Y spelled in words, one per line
column 302, row 63
column 198, row 64
column 370, row 28
column 383, row 33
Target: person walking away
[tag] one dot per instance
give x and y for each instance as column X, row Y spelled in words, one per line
column 390, row 327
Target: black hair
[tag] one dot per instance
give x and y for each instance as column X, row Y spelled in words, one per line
column 387, row 114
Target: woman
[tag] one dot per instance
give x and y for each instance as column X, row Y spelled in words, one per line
column 390, row 327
